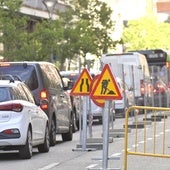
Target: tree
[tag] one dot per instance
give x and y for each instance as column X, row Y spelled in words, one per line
column 88, row 29
column 21, row 44
column 84, row 28
column 146, row 33
column 12, row 27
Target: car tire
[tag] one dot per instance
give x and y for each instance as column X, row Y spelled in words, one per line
column 53, row 133
column 69, row 136
column 78, row 124
column 46, row 145
column 25, row 151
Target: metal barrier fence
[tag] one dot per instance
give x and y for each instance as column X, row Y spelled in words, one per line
column 156, row 114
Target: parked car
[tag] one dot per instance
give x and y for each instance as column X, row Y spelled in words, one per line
column 69, row 78
column 74, row 102
column 47, row 87
column 23, row 124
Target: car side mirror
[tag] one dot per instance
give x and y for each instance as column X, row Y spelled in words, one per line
column 70, row 85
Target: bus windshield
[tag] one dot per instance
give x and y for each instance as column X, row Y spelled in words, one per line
column 157, row 62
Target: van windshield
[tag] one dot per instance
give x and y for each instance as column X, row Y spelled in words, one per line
column 26, row 74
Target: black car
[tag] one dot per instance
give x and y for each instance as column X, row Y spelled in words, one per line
column 48, row 89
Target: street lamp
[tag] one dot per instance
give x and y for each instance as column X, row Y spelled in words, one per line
column 50, row 5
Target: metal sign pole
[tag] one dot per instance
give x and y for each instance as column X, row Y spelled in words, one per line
column 80, row 118
column 84, row 131
column 105, row 134
column 152, row 81
column 90, row 117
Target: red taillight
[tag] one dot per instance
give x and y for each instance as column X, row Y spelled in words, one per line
column 142, row 87
column 11, row 131
column 43, row 94
column 44, row 106
column 44, row 100
column 16, row 107
column 160, row 88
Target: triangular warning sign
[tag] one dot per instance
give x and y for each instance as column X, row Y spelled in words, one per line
column 82, row 85
column 106, row 86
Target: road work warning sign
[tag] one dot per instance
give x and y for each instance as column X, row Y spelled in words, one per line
column 106, row 86
column 82, row 85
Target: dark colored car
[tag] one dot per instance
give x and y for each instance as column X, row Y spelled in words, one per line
column 48, row 89
column 160, row 93
column 69, row 78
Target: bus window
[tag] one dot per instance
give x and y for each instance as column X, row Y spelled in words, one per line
column 157, row 62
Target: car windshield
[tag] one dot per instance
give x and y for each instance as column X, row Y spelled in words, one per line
column 26, row 73
column 4, row 94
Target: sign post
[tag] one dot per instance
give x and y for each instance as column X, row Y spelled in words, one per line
column 82, row 88
column 106, row 134
column 84, row 134
column 106, row 89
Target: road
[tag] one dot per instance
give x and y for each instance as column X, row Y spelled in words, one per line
column 66, row 155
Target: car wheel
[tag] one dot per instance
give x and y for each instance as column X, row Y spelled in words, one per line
column 25, row 151
column 68, row 136
column 53, row 133
column 78, row 124
column 46, row 145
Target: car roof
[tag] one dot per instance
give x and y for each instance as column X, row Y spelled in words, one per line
column 8, row 83
column 69, row 72
column 25, row 62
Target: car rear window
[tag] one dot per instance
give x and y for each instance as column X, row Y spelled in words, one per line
column 4, row 94
column 51, row 75
column 26, row 73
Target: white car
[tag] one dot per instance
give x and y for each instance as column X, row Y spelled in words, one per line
column 23, row 125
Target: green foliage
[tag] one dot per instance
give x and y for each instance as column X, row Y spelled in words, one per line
column 88, row 30
column 83, row 28
column 12, row 27
column 146, row 33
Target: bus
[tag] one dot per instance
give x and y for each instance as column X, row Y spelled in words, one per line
column 159, row 74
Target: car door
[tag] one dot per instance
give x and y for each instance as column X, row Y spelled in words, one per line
column 37, row 120
column 60, row 99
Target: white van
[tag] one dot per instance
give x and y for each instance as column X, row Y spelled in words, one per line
column 133, row 69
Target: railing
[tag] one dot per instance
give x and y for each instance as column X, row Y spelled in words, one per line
column 141, row 121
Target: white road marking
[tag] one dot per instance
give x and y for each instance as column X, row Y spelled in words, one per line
column 135, row 145
column 49, row 166
column 115, row 154
column 91, row 166
column 149, row 138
